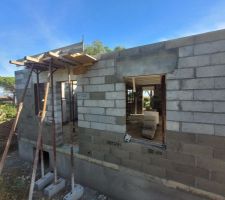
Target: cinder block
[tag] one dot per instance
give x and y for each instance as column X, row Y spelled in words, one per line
column 172, row 84
column 158, row 171
column 172, row 126
column 99, row 103
column 201, row 106
column 194, row 61
column 115, row 111
column 99, row 88
column 199, row 83
column 180, row 42
column 116, row 128
column 97, row 80
column 91, row 110
column 180, row 116
column 75, row 194
column 97, row 95
column 204, row 117
column 211, row 71
column 110, row 79
column 120, row 104
column 210, row 163
column 83, row 95
column 209, row 47
column 100, row 72
column 198, row 128
column 198, row 150
column 100, row 118
column 120, row 87
column 218, row 177
column 186, row 51
column 179, row 157
column 219, row 82
column 209, row 95
column 218, row 58
column 84, row 124
column 219, row 118
column 105, row 63
column 181, row 74
column 82, row 81
column 44, row 181
column 219, row 130
column 172, row 105
column 99, row 126
column 54, row 188
column 179, row 95
column 210, row 36
column 115, row 95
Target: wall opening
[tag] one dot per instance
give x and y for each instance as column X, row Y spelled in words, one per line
column 69, row 111
column 146, row 107
column 46, row 158
column 39, row 97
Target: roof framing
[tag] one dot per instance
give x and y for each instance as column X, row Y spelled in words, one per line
column 70, row 56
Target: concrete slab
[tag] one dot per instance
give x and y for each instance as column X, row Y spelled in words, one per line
column 75, row 194
column 53, row 189
column 44, row 181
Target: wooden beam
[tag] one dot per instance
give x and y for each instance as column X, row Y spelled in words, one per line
column 32, row 59
column 14, row 62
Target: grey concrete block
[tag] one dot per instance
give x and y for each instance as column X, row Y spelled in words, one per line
column 179, row 95
column 204, row 117
column 84, row 124
column 172, row 105
column 120, row 103
column 100, row 72
column 99, row 126
column 97, row 95
column 219, row 118
column 53, row 189
column 201, row 106
column 211, row 71
column 100, row 118
column 105, row 63
column 209, row 47
column 75, row 194
column 220, row 130
column 99, row 88
column 110, row 79
column 199, row 83
column 91, row 110
column 120, row 87
column 115, row 111
column 219, row 107
column 83, row 95
column 97, row 80
column 181, row 74
column 116, row 95
column 194, row 61
column 198, row 128
column 180, row 116
column 218, row 58
column 99, row 103
column 44, row 181
column 81, row 117
column 172, row 84
column 180, row 42
column 80, row 103
column 186, row 51
column 172, row 126
column 82, row 81
column 219, row 82
column 209, row 95
column 210, row 36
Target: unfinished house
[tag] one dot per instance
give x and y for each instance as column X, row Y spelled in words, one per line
column 168, row 96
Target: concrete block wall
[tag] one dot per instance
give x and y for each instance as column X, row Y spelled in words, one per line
column 196, row 90
column 101, row 99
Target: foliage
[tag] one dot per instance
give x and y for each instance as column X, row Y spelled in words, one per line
column 97, row 47
column 7, row 111
column 8, row 83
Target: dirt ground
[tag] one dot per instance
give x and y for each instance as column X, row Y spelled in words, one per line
column 15, row 182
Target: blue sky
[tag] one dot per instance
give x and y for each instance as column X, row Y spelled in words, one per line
column 33, row 26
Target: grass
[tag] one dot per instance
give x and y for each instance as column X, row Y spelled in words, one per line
column 7, row 111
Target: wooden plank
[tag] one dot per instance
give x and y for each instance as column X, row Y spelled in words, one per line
column 14, row 62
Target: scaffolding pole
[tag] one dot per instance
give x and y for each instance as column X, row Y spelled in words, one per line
column 53, row 126
column 39, row 137
column 13, row 128
column 39, row 107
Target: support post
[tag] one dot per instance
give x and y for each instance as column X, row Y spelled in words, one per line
column 53, row 125
column 35, row 163
column 12, row 131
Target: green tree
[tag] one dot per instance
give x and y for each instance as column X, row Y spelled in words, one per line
column 97, row 47
column 8, row 83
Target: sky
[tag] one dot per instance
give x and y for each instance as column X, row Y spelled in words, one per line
column 28, row 27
